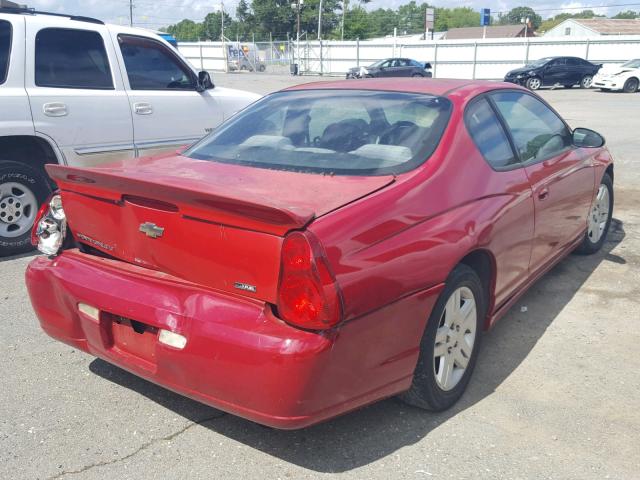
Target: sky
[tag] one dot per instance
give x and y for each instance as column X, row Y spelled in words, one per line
column 159, row 13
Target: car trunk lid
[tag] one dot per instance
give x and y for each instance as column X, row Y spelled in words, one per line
column 210, row 223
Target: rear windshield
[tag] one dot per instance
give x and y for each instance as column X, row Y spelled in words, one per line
column 341, row 132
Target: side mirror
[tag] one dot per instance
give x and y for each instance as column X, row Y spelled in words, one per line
column 583, row 137
column 427, row 66
column 204, row 81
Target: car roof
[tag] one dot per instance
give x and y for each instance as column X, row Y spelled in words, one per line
column 438, row 87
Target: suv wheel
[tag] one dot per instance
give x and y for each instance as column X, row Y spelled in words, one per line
column 533, row 83
column 22, row 190
column 586, row 81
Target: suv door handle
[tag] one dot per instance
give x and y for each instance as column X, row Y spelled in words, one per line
column 55, row 109
column 142, row 108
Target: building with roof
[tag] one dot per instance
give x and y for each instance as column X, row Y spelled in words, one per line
column 593, row 27
column 493, row 31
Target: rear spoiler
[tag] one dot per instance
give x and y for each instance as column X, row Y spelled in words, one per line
column 217, row 207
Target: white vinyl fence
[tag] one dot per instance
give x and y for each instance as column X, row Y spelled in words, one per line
column 481, row 59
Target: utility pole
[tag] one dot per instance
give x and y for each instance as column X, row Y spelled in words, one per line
column 222, row 20
column 131, row 13
column 344, row 11
column 320, row 22
column 298, row 2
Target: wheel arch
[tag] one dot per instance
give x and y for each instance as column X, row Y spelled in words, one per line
column 609, row 171
column 28, row 149
column 483, row 263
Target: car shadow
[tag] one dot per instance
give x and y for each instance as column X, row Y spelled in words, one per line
column 31, row 253
column 372, row 433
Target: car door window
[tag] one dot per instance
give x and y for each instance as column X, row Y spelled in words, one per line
column 488, row 134
column 573, row 62
column 69, row 58
column 152, row 66
column 538, row 133
column 5, row 49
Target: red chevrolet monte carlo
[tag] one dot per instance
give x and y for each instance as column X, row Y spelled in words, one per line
column 331, row 245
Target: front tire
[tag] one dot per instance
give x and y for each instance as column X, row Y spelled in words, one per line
column 599, row 218
column 631, row 85
column 22, row 190
column 450, row 344
column 586, row 81
column 533, row 83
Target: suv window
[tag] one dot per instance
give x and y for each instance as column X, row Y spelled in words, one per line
column 5, row 49
column 67, row 58
column 152, row 66
column 538, row 133
column 488, row 134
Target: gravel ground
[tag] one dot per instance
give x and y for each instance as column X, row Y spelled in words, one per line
column 555, row 393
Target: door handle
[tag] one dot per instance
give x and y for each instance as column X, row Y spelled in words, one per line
column 55, row 109
column 543, row 194
column 143, row 108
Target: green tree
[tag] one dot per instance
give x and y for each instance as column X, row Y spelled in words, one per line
column 458, row 17
column 186, row 31
column 356, row 23
column 628, row 14
column 212, row 26
column 516, row 15
column 273, row 16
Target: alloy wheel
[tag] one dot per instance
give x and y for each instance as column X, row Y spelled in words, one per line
column 586, row 81
column 534, row 83
column 455, row 338
column 599, row 215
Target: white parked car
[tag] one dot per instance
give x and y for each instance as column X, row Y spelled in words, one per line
column 626, row 77
column 78, row 92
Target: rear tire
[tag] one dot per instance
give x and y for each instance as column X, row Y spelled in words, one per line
column 631, row 85
column 22, row 190
column 586, row 81
column 599, row 218
column 445, row 363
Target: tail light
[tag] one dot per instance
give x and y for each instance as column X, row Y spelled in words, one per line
column 308, row 295
column 50, row 226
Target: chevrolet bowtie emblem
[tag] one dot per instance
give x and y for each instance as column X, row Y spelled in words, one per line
column 151, row 230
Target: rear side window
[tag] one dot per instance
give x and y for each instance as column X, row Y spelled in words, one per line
column 67, row 58
column 152, row 66
column 488, row 134
column 342, row 132
column 5, row 49
column 538, row 133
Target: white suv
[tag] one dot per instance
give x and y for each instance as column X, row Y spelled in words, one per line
column 76, row 91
